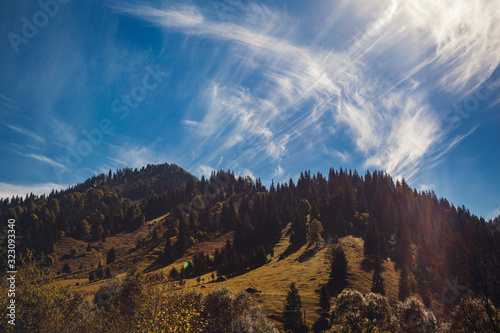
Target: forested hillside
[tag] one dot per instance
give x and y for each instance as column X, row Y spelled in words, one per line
column 443, row 253
column 93, row 210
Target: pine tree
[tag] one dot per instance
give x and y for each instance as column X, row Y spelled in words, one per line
column 108, row 273
column 99, row 273
column 324, row 299
column 166, row 255
column 338, row 273
column 403, row 245
column 174, row 274
column 66, row 268
column 91, row 277
column 183, row 237
column 374, row 242
column 299, row 230
column 404, row 284
column 340, row 225
column 111, row 256
column 292, row 316
column 377, row 279
column 370, row 239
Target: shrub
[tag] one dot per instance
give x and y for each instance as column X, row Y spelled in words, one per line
column 413, row 316
column 226, row 312
column 41, row 305
column 475, row 315
column 66, row 268
column 353, row 312
column 73, row 252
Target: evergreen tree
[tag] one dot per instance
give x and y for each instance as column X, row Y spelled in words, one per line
column 402, row 245
column 299, row 230
column 108, row 273
column 340, row 225
column 377, row 279
column 183, row 238
column 99, row 273
column 375, row 244
column 404, row 284
column 370, row 239
column 324, row 299
column 111, row 256
column 66, row 268
column 174, row 274
column 292, row 316
column 338, row 273
column 91, row 277
column 166, row 255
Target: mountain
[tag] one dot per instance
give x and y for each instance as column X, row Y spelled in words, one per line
column 99, row 207
column 172, row 226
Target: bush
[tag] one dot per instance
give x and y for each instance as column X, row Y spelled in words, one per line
column 227, row 312
column 472, row 316
column 353, row 312
column 73, row 252
column 41, row 305
column 50, row 260
column 175, row 312
column 66, row 268
column 413, row 316
column 128, row 305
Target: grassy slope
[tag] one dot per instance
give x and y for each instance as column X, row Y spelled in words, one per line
column 273, row 279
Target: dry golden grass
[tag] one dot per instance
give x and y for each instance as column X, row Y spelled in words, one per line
column 273, row 279
column 361, row 279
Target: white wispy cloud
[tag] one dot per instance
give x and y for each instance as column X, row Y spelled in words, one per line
column 10, row 106
column 204, row 170
column 376, row 85
column 65, row 133
column 190, row 122
column 117, row 161
column 26, row 132
column 44, row 159
column 278, row 172
column 137, row 156
column 246, row 172
column 6, row 98
column 426, row 187
column 440, row 152
column 8, row 190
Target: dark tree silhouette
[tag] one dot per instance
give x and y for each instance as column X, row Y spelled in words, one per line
column 377, row 279
column 292, row 315
column 338, row 273
column 111, row 256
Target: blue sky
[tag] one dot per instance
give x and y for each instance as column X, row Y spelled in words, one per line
column 267, row 89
